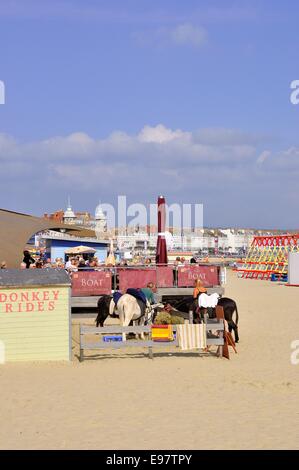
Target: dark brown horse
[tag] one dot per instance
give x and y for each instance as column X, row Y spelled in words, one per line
column 229, row 307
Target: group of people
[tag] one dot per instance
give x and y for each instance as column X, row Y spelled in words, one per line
column 75, row 263
column 78, row 262
column 39, row 261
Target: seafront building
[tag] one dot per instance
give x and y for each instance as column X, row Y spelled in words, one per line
column 56, row 243
column 59, row 232
column 143, row 239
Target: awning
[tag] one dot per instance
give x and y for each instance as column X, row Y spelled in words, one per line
column 80, row 250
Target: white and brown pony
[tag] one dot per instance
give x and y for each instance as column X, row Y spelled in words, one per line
column 128, row 309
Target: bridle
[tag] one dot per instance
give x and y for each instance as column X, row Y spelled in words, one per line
column 149, row 313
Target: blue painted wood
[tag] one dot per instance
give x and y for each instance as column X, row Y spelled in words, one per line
column 33, row 277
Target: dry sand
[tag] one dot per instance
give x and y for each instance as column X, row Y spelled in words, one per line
column 173, row 402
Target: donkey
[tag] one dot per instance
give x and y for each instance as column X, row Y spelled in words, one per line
column 229, row 307
column 106, row 308
column 128, row 309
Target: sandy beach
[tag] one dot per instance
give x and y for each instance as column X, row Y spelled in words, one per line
column 126, row 401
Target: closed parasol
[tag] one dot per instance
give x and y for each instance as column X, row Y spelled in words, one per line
column 110, row 260
column 161, row 251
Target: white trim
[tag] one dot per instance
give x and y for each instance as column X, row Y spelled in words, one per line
column 65, row 237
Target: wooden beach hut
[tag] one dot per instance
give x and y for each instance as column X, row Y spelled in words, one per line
column 35, row 315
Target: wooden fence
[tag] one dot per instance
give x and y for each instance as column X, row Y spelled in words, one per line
column 212, row 339
column 103, row 280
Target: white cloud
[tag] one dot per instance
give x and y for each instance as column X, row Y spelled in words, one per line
column 283, row 162
column 160, row 134
column 185, row 34
column 164, row 147
column 226, row 136
column 122, row 161
column 7, row 145
column 155, row 158
column 263, row 157
column 224, row 167
column 287, row 160
column 188, row 34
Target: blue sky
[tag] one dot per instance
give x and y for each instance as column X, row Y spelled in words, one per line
column 190, row 99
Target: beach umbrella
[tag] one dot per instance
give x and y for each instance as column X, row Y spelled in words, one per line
column 110, row 260
column 161, row 251
column 79, row 250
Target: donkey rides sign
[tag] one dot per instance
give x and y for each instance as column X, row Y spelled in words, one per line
column 35, row 317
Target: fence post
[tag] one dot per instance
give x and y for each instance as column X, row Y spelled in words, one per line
column 191, row 317
column 176, row 276
column 150, row 352
column 114, row 274
column 221, row 336
column 81, row 355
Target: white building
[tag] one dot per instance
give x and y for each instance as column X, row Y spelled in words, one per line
column 138, row 239
column 223, row 240
column 100, row 221
column 69, row 216
column 237, row 239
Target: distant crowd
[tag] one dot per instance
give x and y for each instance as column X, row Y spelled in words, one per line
column 78, row 262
